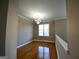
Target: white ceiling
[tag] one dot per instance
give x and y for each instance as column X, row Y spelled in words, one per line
column 52, row 9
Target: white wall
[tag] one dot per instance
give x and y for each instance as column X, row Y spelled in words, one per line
column 25, row 29
column 11, row 30
column 72, row 31
column 61, row 28
column 61, row 52
column 3, row 57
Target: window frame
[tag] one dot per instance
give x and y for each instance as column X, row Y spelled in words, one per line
column 43, row 30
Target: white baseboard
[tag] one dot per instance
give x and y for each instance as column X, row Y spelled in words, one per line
column 45, row 41
column 34, row 40
column 24, row 44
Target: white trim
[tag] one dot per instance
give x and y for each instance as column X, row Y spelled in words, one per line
column 63, row 43
column 34, row 40
column 26, row 18
column 57, row 52
column 24, row 44
column 45, row 41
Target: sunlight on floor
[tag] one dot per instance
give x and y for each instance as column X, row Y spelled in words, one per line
column 43, row 52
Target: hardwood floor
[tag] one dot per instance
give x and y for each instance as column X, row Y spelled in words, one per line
column 37, row 50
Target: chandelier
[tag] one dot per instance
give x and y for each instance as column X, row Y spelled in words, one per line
column 37, row 16
column 37, row 20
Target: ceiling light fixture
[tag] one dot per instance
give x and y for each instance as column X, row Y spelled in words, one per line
column 37, row 16
column 37, row 20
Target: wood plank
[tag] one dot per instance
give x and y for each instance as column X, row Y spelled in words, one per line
column 30, row 50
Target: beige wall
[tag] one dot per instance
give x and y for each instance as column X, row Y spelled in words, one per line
column 73, row 27
column 61, row 28
column 11, row 30
column 25, row 28
column 51, row 32
column 72, row 31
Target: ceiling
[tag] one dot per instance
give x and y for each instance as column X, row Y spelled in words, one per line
column 51, row 9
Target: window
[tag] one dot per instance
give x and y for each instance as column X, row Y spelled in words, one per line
column 43, row 29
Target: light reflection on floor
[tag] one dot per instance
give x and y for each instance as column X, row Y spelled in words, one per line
column 43, row 52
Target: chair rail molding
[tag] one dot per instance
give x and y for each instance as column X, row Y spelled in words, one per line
column 63, row 43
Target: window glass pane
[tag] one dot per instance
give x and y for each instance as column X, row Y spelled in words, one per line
column 41, row 30
column 46, row 29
